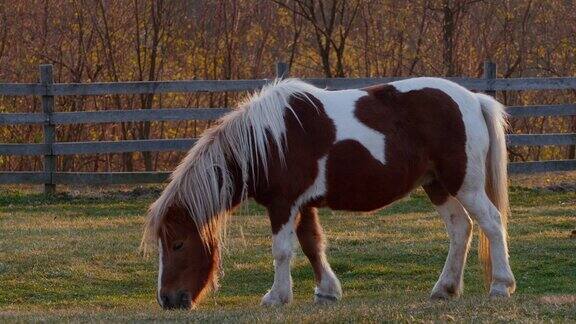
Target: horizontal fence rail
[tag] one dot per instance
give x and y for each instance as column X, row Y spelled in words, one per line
column 158, row 87
column 157, row 145
column 542, row 166
column 50, row 118
column 22, row 89
column 541, row 139
column 179, row 114
column 83, row 177
column 138, row 115
column 159, row 177
column 184, row 144
column 541, row 110
column 24, row 149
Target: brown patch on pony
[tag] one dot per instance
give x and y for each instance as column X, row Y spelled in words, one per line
column 308, row 138
column 428, row 118
column 436, row 192
column 424, row 134
column 188, row 266
column 358, row 182
column 311, row 238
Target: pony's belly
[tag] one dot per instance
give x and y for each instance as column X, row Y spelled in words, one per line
column 363, row 197
column 361, row 204
column 356, row 181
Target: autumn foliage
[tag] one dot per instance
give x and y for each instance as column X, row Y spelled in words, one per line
column 103, row 40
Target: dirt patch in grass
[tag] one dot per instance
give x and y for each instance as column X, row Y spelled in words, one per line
column 559, row 300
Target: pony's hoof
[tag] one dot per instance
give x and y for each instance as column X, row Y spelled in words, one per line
column 439, row 295
column 323, row 299
column 495, row 294
column 512, row 287
column 274, row 299
column 502, row 289
column 444, row 293
column 499, row 293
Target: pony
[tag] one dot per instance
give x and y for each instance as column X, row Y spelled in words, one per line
column 294, row 147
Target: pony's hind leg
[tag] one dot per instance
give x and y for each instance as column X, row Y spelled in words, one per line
column 311, row 238
column 459, row 228
column 489, row 220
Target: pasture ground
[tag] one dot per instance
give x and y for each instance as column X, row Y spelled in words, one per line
column 75, row 258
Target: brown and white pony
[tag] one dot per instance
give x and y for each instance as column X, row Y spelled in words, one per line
column 294, row 147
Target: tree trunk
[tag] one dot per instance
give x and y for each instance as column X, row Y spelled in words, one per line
column 448, row 29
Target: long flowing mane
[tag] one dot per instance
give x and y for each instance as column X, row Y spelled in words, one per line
column 202, row 183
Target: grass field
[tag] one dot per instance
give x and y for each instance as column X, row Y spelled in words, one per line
column 76, row 259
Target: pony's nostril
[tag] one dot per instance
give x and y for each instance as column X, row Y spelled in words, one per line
column 165, row 301
column 185, row 299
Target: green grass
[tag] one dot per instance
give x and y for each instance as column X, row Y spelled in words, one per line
column 76, row 259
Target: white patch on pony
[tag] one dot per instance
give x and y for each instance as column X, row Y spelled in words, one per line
column 340, row 107
column 282, row 251
column 317, row 189
column 160, row 266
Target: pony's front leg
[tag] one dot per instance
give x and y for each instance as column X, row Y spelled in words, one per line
column 311, row 238
column 282, row 251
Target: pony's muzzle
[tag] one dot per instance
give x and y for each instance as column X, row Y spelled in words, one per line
column 180, row 300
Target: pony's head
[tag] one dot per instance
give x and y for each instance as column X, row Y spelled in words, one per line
column 188, row 263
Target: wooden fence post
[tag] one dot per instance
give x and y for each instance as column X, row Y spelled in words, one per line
column 281, row 70
column 490, row 74
column 47, row 79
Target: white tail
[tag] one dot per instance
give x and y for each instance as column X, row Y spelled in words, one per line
column 496, row 172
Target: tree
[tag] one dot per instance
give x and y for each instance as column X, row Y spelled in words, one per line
column 332, row 22
column 452, row 12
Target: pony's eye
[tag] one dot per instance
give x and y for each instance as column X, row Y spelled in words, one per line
column 177, row 246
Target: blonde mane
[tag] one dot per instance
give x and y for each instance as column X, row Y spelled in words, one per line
column 202, row 182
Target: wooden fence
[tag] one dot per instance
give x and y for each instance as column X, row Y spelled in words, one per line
column 50, row 118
